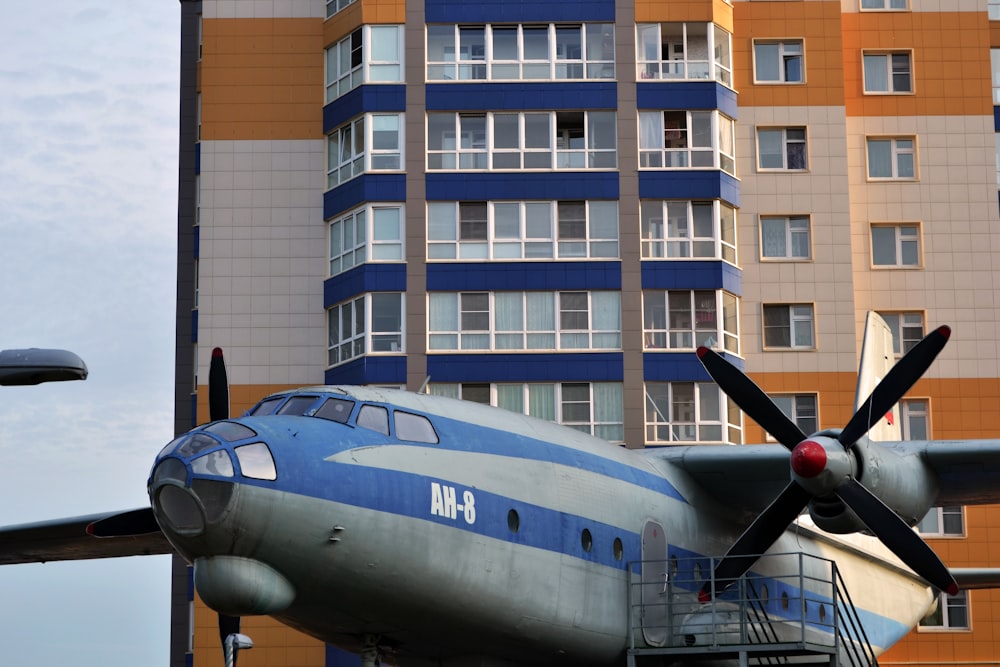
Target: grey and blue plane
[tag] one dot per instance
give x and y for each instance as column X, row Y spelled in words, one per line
column 427, row 530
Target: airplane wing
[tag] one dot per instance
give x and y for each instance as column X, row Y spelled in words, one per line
column 107, row 535
column 747, row 478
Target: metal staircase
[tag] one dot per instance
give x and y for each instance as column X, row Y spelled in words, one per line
column 791, row 609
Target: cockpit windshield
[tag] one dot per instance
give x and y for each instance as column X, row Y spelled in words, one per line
column 335, row 409
column 297, row 405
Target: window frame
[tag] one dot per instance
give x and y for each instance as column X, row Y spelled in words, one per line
column 797, row 410
column 657, row 243
column 445, row 242
column 668, row 305
column 654, row 126
column 592, row 38
column 793, row 318
column 940, row 513
column 362, row 340
column 782, row 61
column 690, row 69
column 886, row 6
column 698, row 429
column 362, row 162
column 902, row 324
column 364, row 246
column 896, row 153
column 563, row 155
column 789, row 237
column 364, row 71
column 787, row 144
column 900, row 244
column 946, row 603
column 888, row 70
column 525, row 333
column 338, row 6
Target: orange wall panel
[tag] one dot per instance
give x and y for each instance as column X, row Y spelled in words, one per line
column 262, row 79
column 815, row 23
column 951, row 62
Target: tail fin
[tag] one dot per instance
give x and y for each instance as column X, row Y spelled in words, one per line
column 876, row 359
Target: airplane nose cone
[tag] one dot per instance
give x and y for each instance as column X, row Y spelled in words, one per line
column 182, row 509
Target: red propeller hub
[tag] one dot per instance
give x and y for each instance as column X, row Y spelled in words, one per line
column 808, row 459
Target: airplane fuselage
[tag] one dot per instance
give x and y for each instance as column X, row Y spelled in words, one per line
column 489, row 533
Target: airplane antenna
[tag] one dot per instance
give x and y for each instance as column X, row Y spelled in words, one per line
column 423, row 387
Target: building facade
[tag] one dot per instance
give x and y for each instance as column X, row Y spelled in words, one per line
column 548, row 206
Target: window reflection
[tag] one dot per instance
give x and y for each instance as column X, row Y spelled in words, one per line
column 256, row 461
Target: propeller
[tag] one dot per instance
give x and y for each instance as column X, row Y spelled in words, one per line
column 218, row 408
column 822, row 465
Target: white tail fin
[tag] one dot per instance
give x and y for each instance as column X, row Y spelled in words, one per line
column 876, row 360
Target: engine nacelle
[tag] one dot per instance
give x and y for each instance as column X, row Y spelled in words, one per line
column 904, row 483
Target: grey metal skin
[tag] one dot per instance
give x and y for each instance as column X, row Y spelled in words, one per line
column 35, row 366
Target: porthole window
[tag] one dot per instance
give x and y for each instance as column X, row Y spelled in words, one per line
column 618, row 549
column 673, row 567
column 822, row 613
column 513, row 521
column 784, row 600
column 586, row 540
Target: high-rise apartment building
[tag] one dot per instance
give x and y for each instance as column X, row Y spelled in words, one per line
column 547, row 205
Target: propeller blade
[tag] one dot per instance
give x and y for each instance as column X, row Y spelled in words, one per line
column 751, row 398
column 218, row 387
column 895, row 534
column 895, row 384
column 757, row 538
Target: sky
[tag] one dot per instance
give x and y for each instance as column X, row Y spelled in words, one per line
column 88, row 211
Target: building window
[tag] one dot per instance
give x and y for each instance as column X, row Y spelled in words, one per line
column 785, row 237
column 888, row 72
column 372, row 323
column 679, row 51
column 592, row 407
column 334, row 6
column 778, row 62
column 374, row 231
column 517, row 141
column 690, row 412
column 522, row 230
column 893, row 5
column 907, row 330
column 520, row 52
column 680, row 139
column 789, row 326
column 993, row 9
column 915, row 417
column 895, row 246
column 801, row 409
column 693, row 229
column 781, row 148
column 524, row 321
column 891, row 158
column 687, row 319
column 372, row 142
column 947, row 521
column 370, row 54
column 950, row 613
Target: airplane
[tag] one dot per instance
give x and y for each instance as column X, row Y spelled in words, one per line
column 422, row 530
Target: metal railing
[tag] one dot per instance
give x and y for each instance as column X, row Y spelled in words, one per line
column 790, row 604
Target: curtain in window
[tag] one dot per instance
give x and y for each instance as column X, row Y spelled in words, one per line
column 608, row 411
column 449, row 390
column 765, row 59
column 509, row 316
column 542, row 401
column 443, row 312
column 511, row 397
column 880, row 158
column 772, row 237
column 651, row 130
column 876, row 73
column 541, row 316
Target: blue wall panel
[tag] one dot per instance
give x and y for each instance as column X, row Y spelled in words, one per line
column 678, row 367
column 372, row 97
column 692, row 274
column 554, row 367
column 480, row 186
column 364, row 188
column 371, row 369
column 689, row 184
column 515, row 11
column 518, row 276
column 364, row 278
column 686, row 95
column 522, row 96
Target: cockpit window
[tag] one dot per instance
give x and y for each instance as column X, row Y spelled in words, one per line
column 267, row 406
column 256, row 461
column 214, row 463
column 415, row 428
column 194, row 443
column 335, row 409
column 230, row 431
column 374, row 417
column 297, row 405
